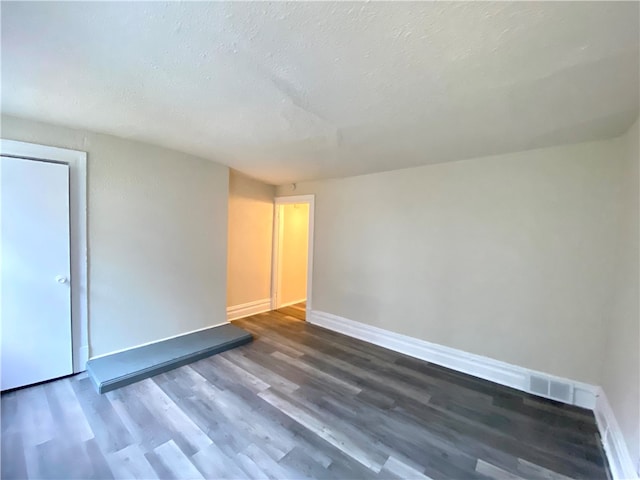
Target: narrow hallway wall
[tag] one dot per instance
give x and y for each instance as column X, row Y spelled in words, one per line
column 250, row 240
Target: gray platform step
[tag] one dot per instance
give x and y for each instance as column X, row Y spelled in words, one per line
column 124, row 368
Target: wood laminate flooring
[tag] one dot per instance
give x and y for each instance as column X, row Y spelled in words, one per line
column 298, row 402
column 298, row 311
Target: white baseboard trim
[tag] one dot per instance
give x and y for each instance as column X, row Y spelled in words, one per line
column 288, row 304
column 615, row 447
column 584, row 395
column 159, row 340
column 247, row 309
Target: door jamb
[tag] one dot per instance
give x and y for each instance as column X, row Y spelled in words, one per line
column 77, row 162
column 277, row 246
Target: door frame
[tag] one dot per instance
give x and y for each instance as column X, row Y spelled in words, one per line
column 276, row 257
column 77, row 162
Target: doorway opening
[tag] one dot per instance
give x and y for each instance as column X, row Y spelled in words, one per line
column 292, row 255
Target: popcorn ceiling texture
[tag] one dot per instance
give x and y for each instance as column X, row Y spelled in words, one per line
column 296, row 91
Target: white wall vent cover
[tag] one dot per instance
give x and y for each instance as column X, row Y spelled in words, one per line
column 550, row 388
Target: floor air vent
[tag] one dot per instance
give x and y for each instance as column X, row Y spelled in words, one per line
column 550, row 388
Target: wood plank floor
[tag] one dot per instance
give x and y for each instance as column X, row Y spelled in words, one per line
column 298, row 402
column 297, row 311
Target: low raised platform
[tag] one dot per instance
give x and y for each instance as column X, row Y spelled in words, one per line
column 124, row 368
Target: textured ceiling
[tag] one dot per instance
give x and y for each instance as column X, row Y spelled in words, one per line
column 292, row 91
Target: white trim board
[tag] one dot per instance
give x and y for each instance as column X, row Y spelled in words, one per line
column 615, row 447
column 77, row 162
column 288, row 304
column 583, row 395
column 247, row 309
column 160, row 340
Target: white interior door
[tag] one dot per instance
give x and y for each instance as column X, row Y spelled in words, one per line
column 35, row 294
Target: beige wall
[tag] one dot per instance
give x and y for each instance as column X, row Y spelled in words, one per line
column 295, row 241
column 157, row 236
column 250, row 240
column 507, row 256
column 621, row 367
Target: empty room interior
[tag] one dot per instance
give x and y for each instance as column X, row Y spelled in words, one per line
column 332, row 240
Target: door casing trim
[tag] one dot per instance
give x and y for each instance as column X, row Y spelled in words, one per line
column 277, row 246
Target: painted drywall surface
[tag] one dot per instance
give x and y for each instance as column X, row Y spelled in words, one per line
column 621, row 366
column 507, row 256
column 157, row 236
column 250, row 239
column 294, row 253
column 270, row 88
